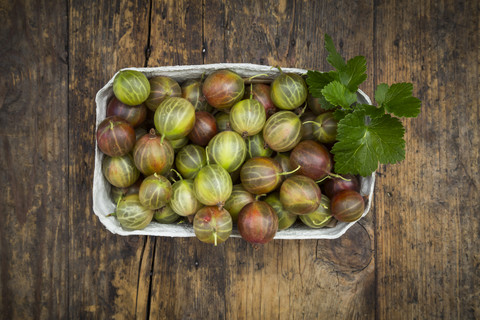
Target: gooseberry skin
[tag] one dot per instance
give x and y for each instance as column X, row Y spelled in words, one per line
column 184, row 201
column 261, row 175
column 308, row 127
column 204, row 130
column 223, row 121
column 334, row 185
column 155, row 191
column 282, row 131
column 131, row 87
column 162, row 88
column 131, row 214
column 227, row 149
column 212, row 185
column 285, row 218
column 247, row 117
column 117, row 193
column 175, row 118
column 212, row 225
column 134, row 115
column 223, row 88
column 261, row 93
column 120, row 171
column 300, row 195
column 325, row 129
column 152, row 154
column 189, row 160
column 192, row 91
column 257, row 222
column 237, row 200
column 347, row 206
column 320, row 217
column 165, row 215
column 313, row 158
column 288, row 91
column 315, row 105
column 115, row 136
column 256, row 146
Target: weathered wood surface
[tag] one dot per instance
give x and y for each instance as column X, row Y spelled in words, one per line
column 416, row 255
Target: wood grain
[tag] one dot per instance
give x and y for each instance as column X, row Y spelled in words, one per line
column 427, row 207
column 33, row 158
column 108, row 274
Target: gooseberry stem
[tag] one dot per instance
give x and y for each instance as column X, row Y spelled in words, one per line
column 206, row 153
column 312, row 122
column 289, row 172
column 258, row 196
column 178, row 174
column 215, row 238
column 332, row 175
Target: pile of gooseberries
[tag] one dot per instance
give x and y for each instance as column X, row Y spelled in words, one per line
column 223, row 152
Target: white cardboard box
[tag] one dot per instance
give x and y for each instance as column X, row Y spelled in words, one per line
column 103, row 205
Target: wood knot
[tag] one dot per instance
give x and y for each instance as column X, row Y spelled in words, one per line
column 350, row 252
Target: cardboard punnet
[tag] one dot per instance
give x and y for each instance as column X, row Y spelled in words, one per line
column 103, row 205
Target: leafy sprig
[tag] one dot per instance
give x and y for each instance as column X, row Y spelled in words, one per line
column 366, row 134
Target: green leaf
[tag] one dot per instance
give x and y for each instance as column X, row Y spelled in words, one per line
column 334, row 58
column 317, row 81
column 400, row 102
column 354, row 73
column 371, row 111
column 362, row 146
column 339, row 114
column 381, row 93
column 338, row 95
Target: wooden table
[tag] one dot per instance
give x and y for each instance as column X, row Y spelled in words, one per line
column 415, row 256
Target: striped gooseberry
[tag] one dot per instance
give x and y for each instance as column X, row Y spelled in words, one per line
column 288, row 91
column 204, row 130
column 155, row 191
column 115, row 136
column 228, row 149
column 162, row 88
column 153, row 154
column 165, row 215
column 285, row 218
column 192, row 91
column 313, row 158
column 257, row 222
column 223, row 88
column 300, row 194
column 347, row 206
column 261, row 175
column 131, row 214
column 237, row 200
column 189, row 160
column 184, row 201
column 282, row 131
column 320, row 217
column 134, row 115
column 256, row 146
column 212, row 185
column 247, row 117
column 131, row 87
column 175, row 118
column 120, row 171
column 212, row 225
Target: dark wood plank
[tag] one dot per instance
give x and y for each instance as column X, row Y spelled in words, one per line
column 427, row 207
column 33, row 123
column 108, row 273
